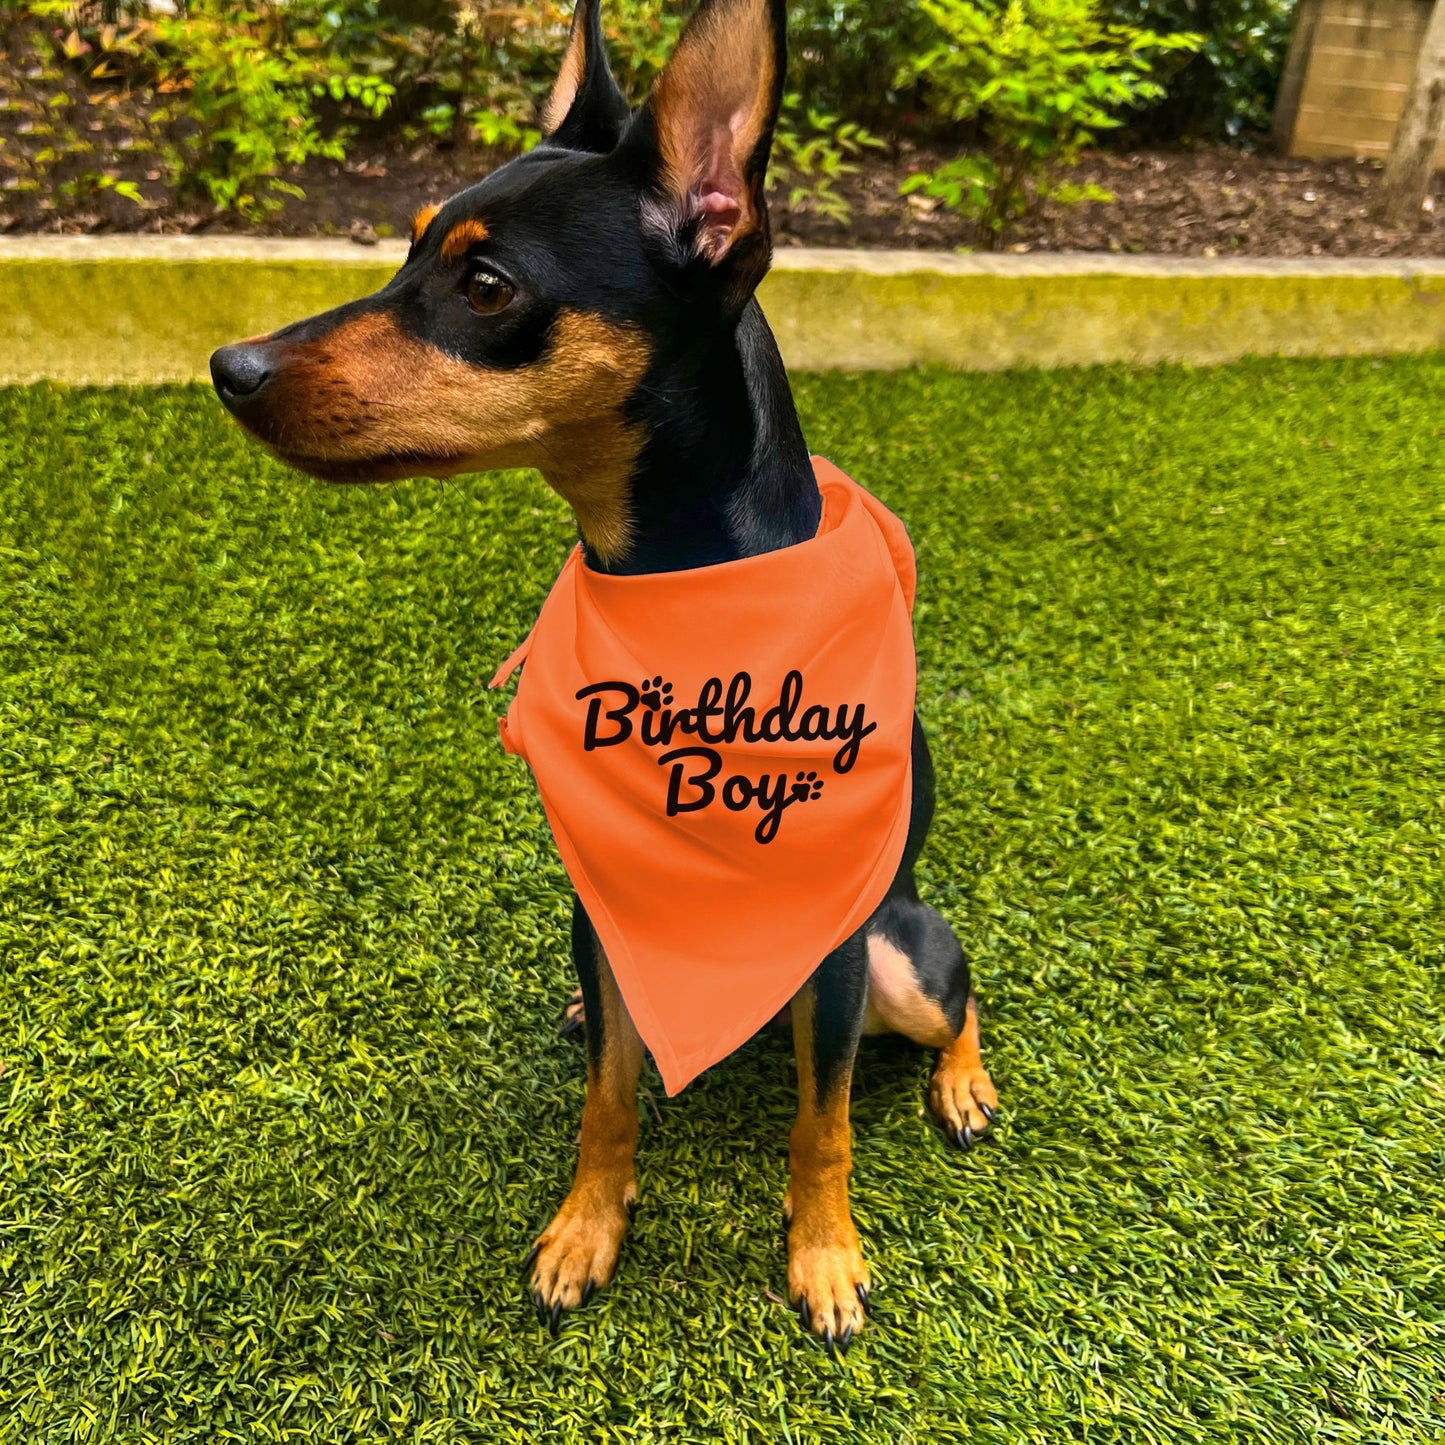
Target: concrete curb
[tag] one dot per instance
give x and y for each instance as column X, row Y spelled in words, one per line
column 150, row 309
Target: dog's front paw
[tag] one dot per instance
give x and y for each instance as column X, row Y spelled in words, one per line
column 827, row 1279
column 577, row 1252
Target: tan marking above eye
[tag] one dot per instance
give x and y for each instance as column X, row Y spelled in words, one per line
column 421, row 221
column 462, row 237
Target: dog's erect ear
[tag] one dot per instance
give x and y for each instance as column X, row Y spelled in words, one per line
column 709, row 123
column 586, row 111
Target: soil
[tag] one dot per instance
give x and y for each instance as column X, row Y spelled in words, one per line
column 1199, row 201
column 1202, row 200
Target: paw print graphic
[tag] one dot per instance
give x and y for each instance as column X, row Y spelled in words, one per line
column 655, row 693
column 808, row 788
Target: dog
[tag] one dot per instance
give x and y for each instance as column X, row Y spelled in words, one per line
column 588, row 310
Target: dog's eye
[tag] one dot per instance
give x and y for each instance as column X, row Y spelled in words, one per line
column 488, row 294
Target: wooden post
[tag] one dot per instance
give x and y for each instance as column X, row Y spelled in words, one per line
column 1412, row 151
column 1296, row 66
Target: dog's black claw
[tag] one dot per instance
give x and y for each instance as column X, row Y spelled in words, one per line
column 540, row 1305
column 531, row 1258
column 845, row 1340
column 967, row 1136
column 828, row 1341
column 989, row 1114
column 804, row 1313
column 587, row 1290
column 631, row 1207
column 555, row 1318
column 572, row 1026
column 862, row 1292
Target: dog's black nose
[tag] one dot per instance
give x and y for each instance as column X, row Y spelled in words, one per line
column 239, row 372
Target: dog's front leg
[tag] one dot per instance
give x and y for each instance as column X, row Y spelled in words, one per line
column 577, row 1252
column 827, row 1279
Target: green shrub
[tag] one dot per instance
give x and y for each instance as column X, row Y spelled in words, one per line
column 1228, row 87
column 850, row 56
column 47, row 69
column 474, row 72
column 640, row 37
column 243, row 87
column 245, row 98
column 811, row 150
column 1035, row 81
column 845, row 55
column 226, row 93
column 484, row 72
column 251, row 87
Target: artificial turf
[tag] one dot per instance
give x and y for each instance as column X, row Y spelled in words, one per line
column 282, row 935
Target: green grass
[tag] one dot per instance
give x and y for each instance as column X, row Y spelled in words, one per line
column 283, row 942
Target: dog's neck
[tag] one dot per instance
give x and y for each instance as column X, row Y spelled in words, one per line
column 725, row 472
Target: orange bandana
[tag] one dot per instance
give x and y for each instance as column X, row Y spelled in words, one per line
column 724, row 755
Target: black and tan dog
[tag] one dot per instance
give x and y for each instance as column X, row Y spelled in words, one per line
column 588, row 310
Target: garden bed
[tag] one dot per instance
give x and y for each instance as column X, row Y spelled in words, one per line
column 1197, row 201
column 95, row 147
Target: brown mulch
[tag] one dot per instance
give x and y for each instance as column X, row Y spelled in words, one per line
column 1206, row 200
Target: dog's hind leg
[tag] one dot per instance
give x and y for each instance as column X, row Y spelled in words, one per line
column 573, row 1024
column 577, row 1252
column 919, row 986
column 962, row 1095
column 827, row 1279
